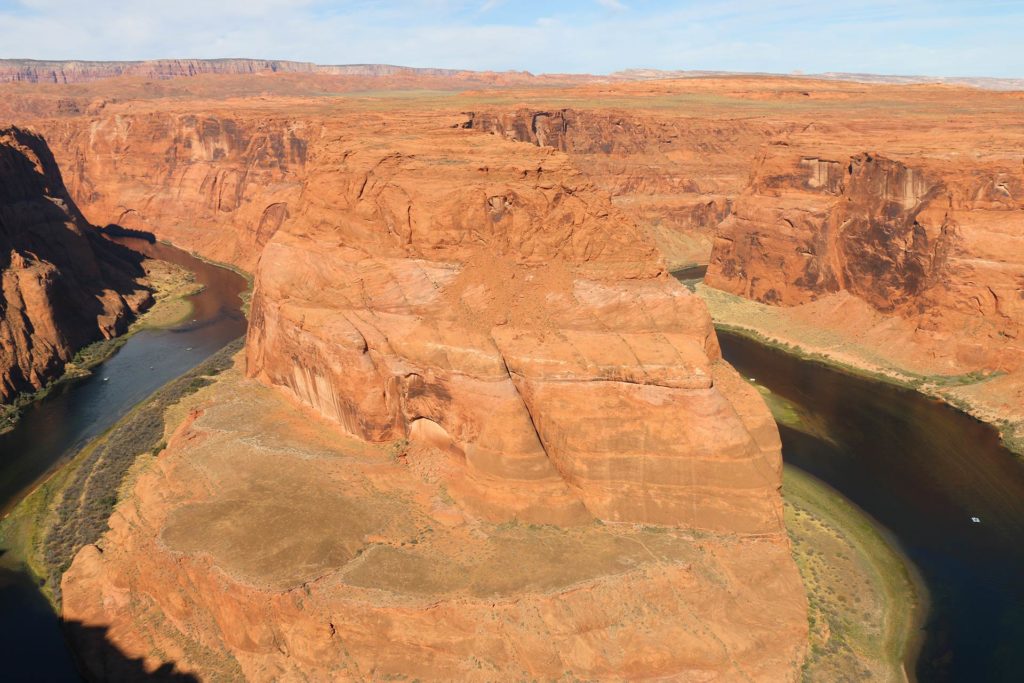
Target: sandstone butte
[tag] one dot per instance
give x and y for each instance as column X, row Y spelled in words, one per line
column 482, row 433
column 61, row 285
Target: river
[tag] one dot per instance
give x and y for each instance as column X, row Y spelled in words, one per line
column 922, row 470
column 53, row 429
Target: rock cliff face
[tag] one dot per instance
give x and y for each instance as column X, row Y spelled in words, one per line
column 482, row 434
column 216, row 185
column 61, row 285
column 916, row 236
column 494, row 300
column 483, row 311
column 676, row 175
column 262, row 545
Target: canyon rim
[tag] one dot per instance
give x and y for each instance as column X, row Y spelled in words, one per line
column 477, row 430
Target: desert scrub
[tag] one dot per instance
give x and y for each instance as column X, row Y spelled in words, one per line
column 79, row 512
column 865, row 601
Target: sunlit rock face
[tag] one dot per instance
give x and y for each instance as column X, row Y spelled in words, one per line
column 490, row 289
column 497, row 342
column 924, row 235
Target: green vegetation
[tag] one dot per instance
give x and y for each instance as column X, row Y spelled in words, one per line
column 1012, row 434
column 171, row 288
column 864, row 603
column 71, row 509
column 78, row 367
column 795, row 416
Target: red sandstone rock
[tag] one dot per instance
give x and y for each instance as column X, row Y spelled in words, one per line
column 489, row 289
column 61, row 285
column 676, row 175
column 509, row 316
column 911, row 233
column 262, row 545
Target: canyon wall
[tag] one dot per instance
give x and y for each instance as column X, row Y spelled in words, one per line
column 63, row 286
column 213, row 184
column 64, row 72
column 483, row 311
column 363, row 282
column 482, row 433
column 915, row 236
column 489, row 292
column 676, row 175
column 263, row 545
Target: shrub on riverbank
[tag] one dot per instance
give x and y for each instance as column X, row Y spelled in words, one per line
column 89, row 494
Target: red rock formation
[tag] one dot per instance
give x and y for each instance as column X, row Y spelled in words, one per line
column 61, row 285
column 676, row 175
column 41, row 71
column 484, row 300
column 264, row 546
column 213, row 184
column 913, row 235
column 490, row 290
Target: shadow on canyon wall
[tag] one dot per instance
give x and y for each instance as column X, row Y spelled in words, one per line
column 27, row 197
column 115, row 230
column 32, row 641
column 101, row 660
column 83, row 281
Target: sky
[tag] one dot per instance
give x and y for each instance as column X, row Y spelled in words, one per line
column 918, row 37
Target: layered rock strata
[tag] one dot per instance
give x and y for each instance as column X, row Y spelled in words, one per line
column 534, row 379
column 911, row 235
column 262, row 545
column 677, row 176
column 64, row 72
column 61, row 285
column 510, row 308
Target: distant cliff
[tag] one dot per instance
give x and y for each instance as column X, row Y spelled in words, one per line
column 35, row 71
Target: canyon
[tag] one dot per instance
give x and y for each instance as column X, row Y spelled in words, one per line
column 63, row 286
column 477, row 429
column 912, row 256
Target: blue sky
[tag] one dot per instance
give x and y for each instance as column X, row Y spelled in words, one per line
column 929, row 37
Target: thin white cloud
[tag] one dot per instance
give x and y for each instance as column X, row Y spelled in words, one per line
column 613, row 5
column 739, row 35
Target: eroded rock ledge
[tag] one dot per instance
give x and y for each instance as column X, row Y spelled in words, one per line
column 506, row 303
column 518, row 378
column 925, row 238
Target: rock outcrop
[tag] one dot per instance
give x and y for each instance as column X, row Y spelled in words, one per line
column 508, row 307
column 263, row 545
column 73, row 71
column 213, row 184
column 62, row 286
column 676, row 175
column 912, row 235
column 485, row 313
column 483, row 434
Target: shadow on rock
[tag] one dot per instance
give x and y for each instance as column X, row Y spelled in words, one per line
column 101, row 660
